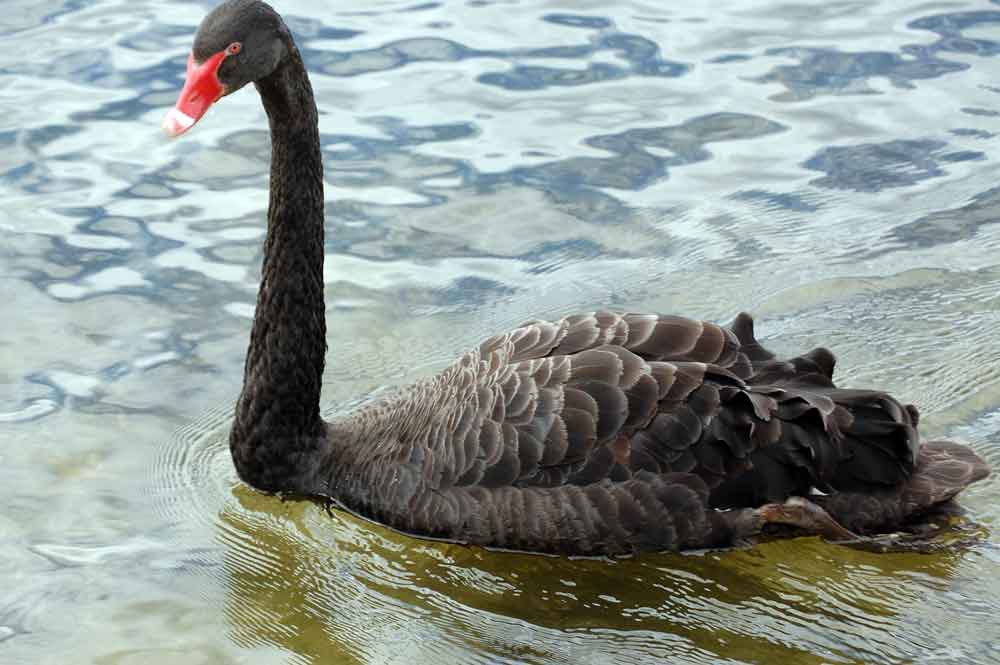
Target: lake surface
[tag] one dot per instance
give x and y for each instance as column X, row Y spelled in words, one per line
column 833, row 167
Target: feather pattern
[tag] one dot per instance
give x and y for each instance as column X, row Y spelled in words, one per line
column 605, row 433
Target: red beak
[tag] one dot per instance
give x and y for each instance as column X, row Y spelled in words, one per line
column 201, row 90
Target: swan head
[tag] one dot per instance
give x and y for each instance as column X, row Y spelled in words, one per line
column 239, row 42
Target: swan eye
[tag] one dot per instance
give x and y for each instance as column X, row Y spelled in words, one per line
column 234, row 48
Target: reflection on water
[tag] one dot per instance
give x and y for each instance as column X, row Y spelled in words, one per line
column 313, row 583
column 832, row 166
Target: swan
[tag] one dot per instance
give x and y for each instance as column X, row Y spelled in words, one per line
column 601, row 433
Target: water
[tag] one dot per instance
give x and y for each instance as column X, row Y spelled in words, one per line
column 831, row 166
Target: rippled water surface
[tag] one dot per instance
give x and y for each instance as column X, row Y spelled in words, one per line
column 831, row 166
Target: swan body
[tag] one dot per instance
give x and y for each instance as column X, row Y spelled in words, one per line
column 600, row 433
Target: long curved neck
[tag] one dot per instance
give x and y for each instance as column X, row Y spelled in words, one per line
column 278, row 434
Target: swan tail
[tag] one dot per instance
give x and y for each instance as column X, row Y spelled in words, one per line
column 943, row 470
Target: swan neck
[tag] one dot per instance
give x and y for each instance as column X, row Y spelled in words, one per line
column 278, row 433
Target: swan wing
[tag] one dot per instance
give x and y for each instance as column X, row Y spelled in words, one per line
column 604, row 432
column 603, row 396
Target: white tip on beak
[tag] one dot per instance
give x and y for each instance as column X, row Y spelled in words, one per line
column 176, row 122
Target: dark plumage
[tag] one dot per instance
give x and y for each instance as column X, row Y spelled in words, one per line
column 594, row 434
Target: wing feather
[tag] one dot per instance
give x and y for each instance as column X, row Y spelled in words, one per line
column 595, row 430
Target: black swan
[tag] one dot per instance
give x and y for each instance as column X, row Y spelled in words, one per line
column 600, row 433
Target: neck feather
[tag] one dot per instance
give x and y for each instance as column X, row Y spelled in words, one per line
column 278, row 434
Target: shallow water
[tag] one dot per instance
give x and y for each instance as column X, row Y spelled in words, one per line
column 831, row 166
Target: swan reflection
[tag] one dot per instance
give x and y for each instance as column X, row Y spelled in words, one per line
column 333, row 588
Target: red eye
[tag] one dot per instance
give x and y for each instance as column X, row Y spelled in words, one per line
column 234, row 48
